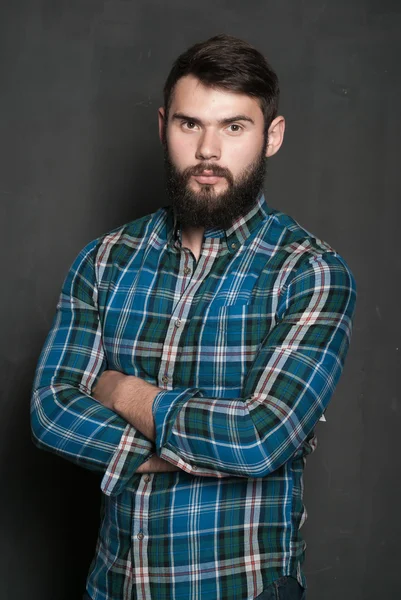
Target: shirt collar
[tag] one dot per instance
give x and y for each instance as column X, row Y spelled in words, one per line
column 237, row 233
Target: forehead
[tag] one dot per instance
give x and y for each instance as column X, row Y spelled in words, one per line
column 193, row 98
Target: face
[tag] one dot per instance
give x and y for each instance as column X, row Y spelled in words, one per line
column 215, row 153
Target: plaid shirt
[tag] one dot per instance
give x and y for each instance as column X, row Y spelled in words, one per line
column 247, row 345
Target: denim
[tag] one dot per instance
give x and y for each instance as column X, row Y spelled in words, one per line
column 285, row 588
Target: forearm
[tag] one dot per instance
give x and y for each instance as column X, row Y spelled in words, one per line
column 218, row 434
column 286, row 390
column 133, row 402
column 132, row 398
column 66, row 419
column 73, row 425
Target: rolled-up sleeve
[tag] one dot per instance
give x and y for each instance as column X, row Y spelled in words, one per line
column 287, row 388
column 65, row 419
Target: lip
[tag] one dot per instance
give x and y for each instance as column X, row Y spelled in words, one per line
column 210, row 179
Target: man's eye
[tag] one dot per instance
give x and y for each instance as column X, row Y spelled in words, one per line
column 189, row 124
column 234, row 128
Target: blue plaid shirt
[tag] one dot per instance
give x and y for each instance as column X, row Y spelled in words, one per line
column 247, row 345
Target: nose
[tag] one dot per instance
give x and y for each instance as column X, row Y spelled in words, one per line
column 208, row 146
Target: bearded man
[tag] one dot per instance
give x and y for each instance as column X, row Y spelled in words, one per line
column 193, row 353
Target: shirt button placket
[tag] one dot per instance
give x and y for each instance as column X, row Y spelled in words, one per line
column 171, row 348
column 140, row 521
column 173, row 334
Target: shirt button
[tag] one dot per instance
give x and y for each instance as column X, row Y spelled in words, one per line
column 178, row 323
column 165, row 379
column 194, row 468
column 147, row 478
column 140, row 536
column 233, row 245
column 187, row 271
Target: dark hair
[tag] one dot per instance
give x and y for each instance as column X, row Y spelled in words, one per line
column 227, row 62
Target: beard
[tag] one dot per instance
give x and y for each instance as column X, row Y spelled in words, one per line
column 205, row 208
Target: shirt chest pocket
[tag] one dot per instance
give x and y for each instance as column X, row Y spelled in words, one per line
column 229, row 339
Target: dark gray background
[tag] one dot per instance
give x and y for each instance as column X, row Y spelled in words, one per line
column 80, row 85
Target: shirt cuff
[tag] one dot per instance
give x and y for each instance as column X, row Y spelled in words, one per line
column 131, row 452
column 166, row 406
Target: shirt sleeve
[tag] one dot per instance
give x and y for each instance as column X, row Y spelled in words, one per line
column 286, row 390
column 65, row 419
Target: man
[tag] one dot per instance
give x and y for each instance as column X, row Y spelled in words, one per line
column 194, row 351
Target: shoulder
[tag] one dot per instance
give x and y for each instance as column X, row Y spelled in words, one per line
column 307, row 269
column 300, row 249
column 122, row 242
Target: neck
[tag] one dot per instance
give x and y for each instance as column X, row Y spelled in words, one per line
column 192, row 238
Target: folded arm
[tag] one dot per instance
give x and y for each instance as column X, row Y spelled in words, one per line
column 287, row 388
column 66, row 419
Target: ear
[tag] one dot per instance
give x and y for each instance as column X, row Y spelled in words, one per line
column 275, row 136
column 161, row 117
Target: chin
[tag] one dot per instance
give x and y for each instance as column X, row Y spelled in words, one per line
column 211, row 190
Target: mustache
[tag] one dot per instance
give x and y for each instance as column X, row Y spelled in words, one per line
column 214, row 169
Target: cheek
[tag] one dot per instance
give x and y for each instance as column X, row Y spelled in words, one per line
column 236, row 160
column 181, row 150
column 241, row 155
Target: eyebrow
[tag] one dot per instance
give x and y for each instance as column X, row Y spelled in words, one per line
column 226, row 121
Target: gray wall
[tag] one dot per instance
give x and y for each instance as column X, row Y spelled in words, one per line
column 80, row 85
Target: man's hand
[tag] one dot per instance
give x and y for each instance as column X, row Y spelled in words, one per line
column 155, row 464
column 130, row 397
